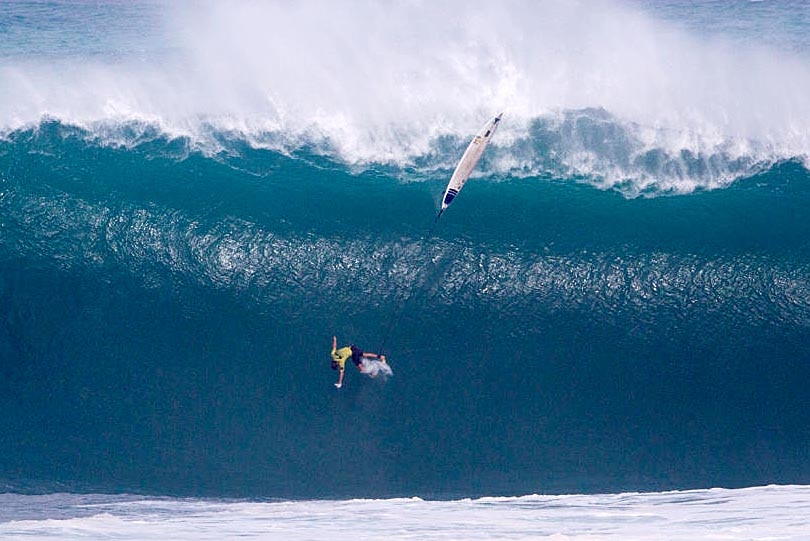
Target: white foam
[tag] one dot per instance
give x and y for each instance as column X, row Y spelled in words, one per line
column 379, row 82
column 772, row 512
column 374, row 368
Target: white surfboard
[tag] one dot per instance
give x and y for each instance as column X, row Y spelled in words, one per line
column 468, row 161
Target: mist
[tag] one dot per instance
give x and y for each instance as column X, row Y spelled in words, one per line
column 370, row 82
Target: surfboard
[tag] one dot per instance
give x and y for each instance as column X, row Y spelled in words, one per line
column 469, row 160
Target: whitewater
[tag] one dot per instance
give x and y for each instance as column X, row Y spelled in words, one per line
column 773, row 512
column 604, row 90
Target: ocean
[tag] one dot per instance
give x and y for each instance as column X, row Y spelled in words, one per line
column 605, row 336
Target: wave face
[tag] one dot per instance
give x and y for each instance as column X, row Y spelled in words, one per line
column 620, row 301
column 167, row 323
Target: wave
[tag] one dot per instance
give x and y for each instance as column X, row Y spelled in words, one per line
column 604, row 91
column 164, row 211
column 181, row 235
column 164, row 315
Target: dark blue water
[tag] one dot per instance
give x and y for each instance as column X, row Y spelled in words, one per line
column 166, row 318
column 192, row 206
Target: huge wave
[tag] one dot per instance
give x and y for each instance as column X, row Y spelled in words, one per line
column 167, row 319
column 172, row 269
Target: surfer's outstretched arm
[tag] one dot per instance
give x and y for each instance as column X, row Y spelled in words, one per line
column 339, row 383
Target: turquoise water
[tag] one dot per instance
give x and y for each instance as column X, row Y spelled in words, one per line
column 618, row 301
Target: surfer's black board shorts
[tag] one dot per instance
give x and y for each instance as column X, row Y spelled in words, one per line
column 357, row 355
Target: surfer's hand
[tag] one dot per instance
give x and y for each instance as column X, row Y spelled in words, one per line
column 382, row 358
column 338, row 385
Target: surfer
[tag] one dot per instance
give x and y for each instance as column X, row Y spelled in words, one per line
column 340, row 356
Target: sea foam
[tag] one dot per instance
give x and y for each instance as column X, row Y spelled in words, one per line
column 625, row 99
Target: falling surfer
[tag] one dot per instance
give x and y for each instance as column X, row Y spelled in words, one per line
column 373, row 364
column 359, row 358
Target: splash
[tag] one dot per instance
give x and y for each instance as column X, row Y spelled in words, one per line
column 375, row 368
column 405, row 83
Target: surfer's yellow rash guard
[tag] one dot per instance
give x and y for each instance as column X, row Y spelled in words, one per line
column 341, row 355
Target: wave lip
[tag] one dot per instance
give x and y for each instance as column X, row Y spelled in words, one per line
column 589, row 146
column 623, row 97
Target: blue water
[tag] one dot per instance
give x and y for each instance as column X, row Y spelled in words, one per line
column 617, row 302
